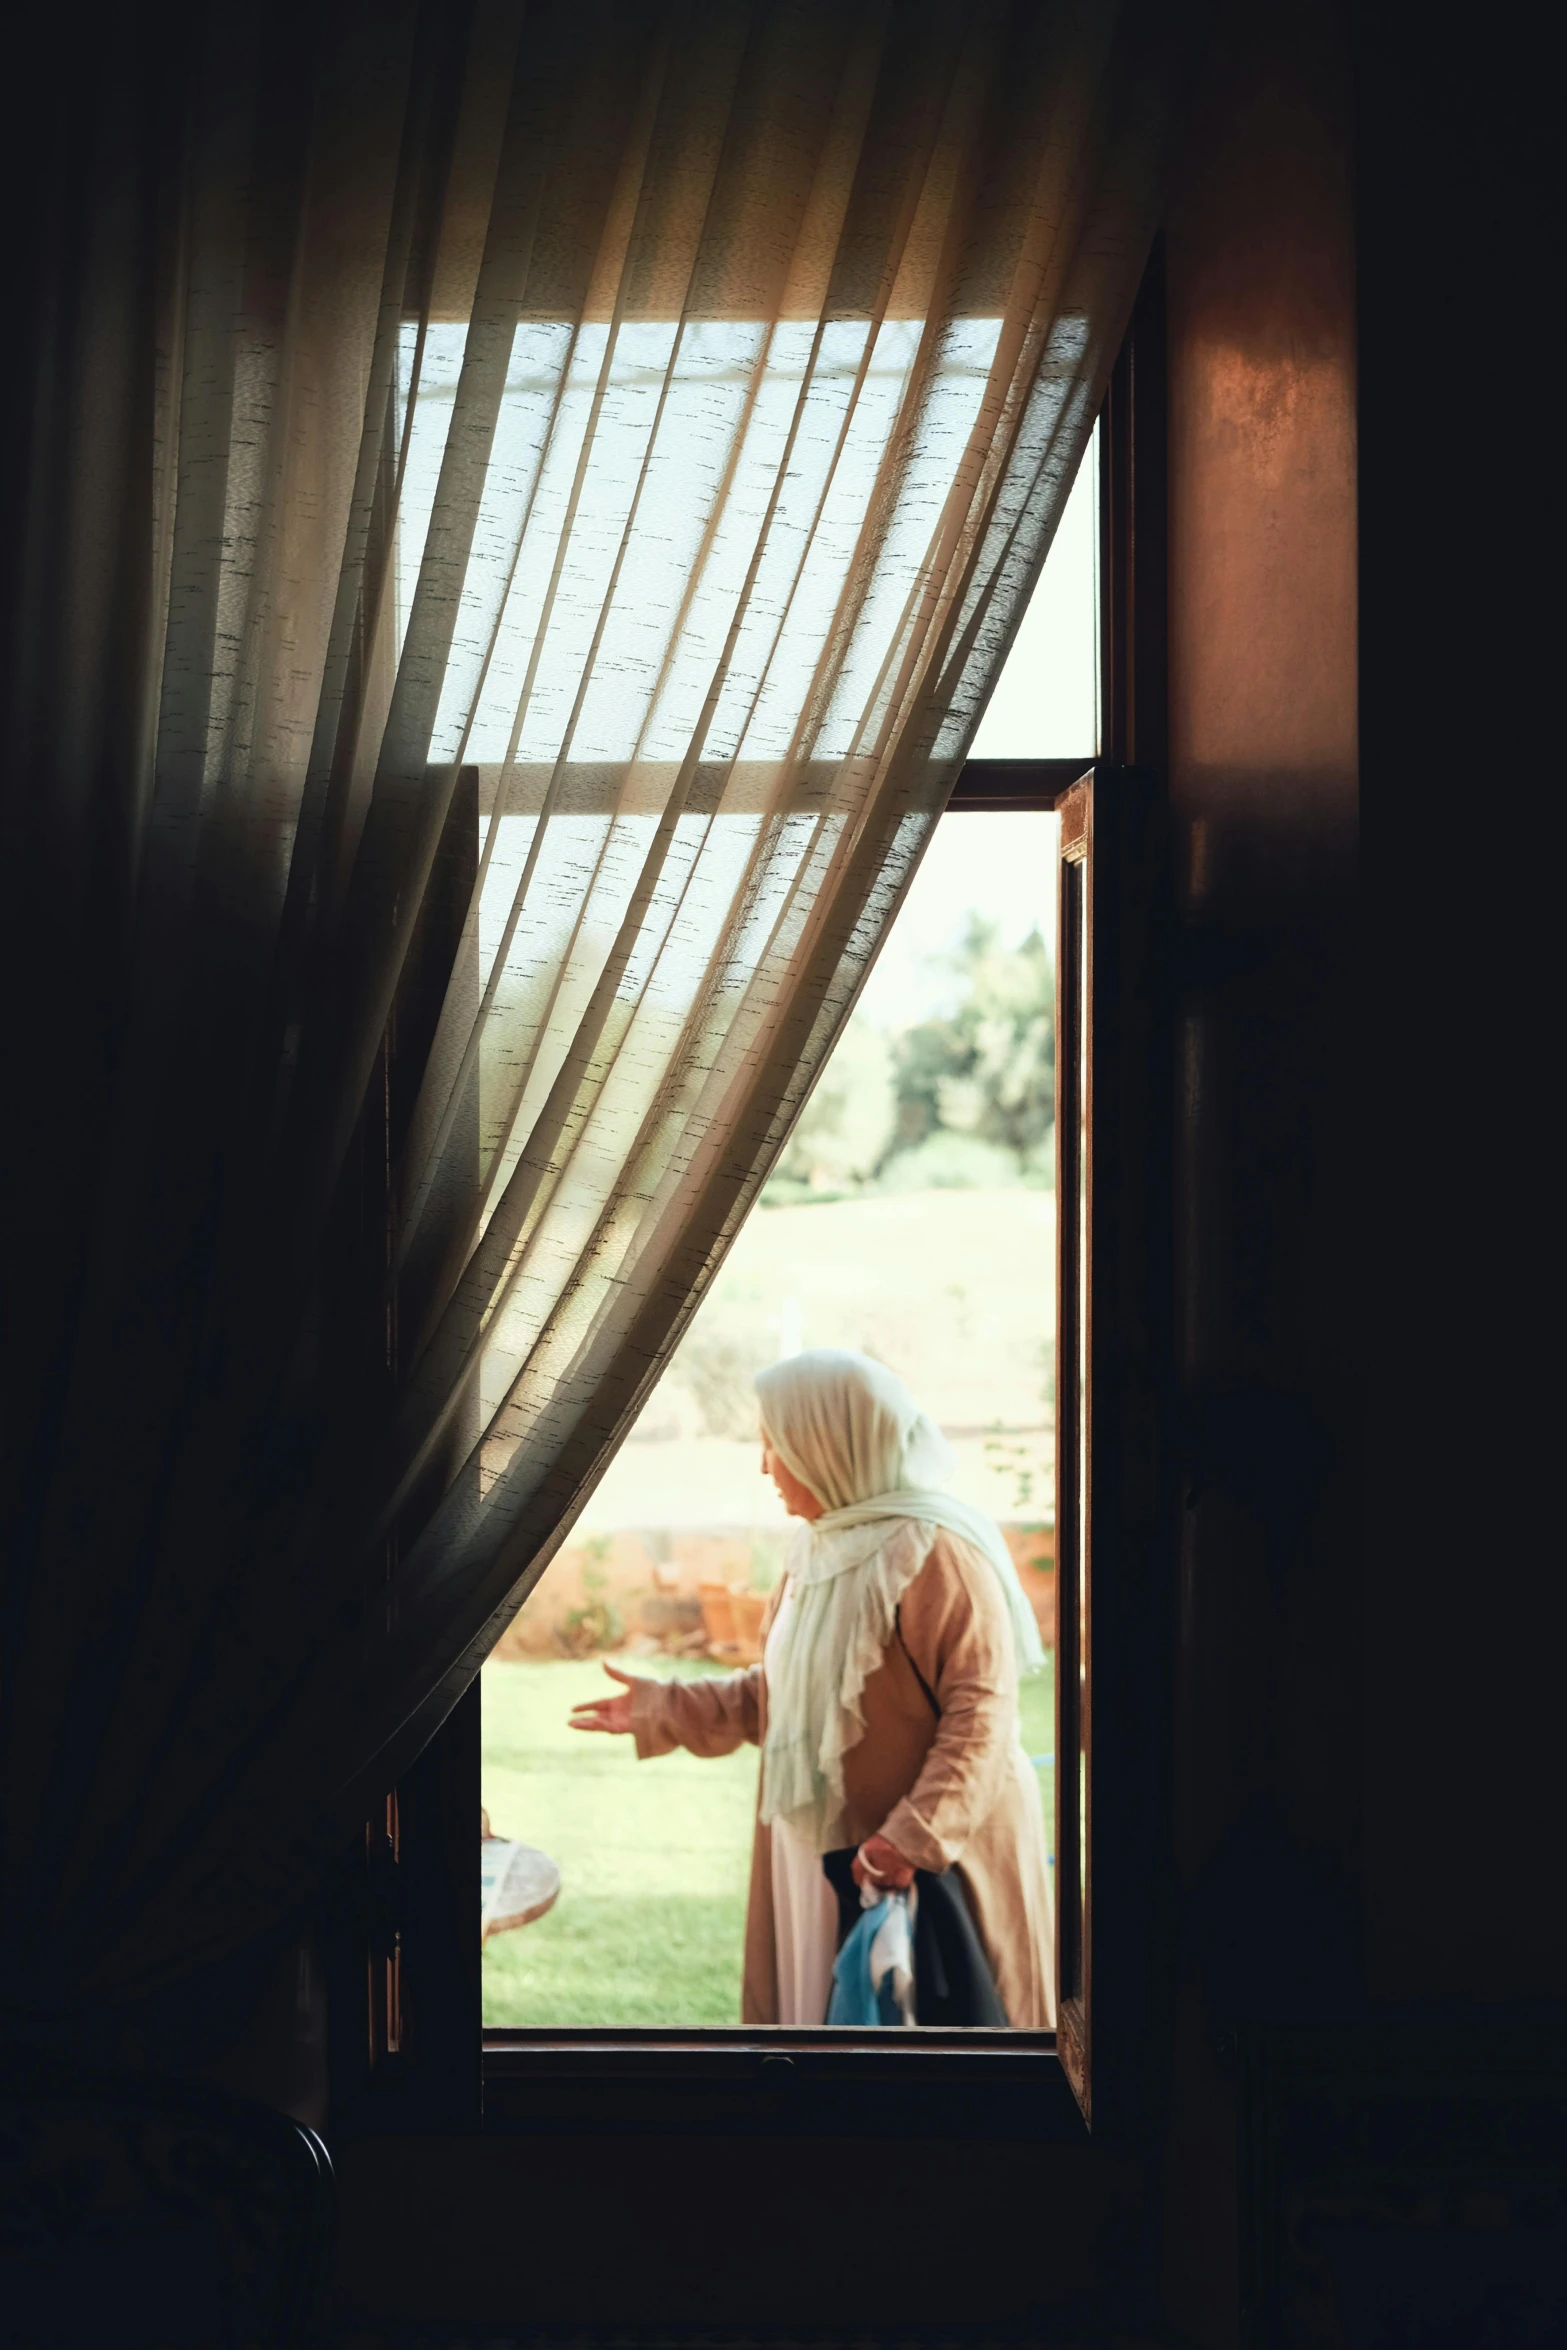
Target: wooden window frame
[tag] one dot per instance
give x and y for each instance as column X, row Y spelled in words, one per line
column 411, row 1977
column 1075, row 872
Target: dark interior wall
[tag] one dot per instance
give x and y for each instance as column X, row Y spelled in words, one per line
column 1264, row 802
column 1461, row 630
column 1362, row 524
column 1360, row 544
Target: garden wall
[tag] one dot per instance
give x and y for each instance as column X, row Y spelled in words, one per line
column 640, row 1587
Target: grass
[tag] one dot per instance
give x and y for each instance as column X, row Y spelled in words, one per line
column 654, row 1857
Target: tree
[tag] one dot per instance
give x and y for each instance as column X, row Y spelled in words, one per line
column 987, row 1069
column 847, row 1125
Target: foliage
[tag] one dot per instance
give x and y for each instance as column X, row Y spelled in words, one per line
column 598, row 1623
column 987, row 1069
column 847, row 1125
column 766, row 1561
column 1019, row 1461
column 962, row 1102
column 716, row 1367
column 951, row 1162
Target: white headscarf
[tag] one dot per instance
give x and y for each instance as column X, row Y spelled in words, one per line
column 850, row 1430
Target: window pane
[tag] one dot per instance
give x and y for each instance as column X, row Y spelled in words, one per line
column 911, row 1218
column 1045, row 704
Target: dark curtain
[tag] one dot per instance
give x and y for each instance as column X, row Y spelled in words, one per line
column 511, row 517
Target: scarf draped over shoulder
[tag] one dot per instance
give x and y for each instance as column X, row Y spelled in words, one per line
column 849, row 1429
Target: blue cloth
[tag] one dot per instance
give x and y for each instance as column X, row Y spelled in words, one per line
column 864, row 1984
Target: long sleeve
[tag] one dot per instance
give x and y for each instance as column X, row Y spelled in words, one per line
column 954, row 1625
column 707, row 1717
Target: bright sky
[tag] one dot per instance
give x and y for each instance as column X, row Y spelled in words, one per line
column 1004, row 865
column 1045, row 703
column 1044, row 707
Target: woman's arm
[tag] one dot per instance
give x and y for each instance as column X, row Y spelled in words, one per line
column 710, row 1716
column 954, row 1624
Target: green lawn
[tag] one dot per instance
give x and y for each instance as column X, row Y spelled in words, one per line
column 654, row 1856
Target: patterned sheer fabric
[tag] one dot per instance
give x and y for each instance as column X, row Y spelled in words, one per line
column 525, row 506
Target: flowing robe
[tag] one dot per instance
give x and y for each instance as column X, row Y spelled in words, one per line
column 948, row 1784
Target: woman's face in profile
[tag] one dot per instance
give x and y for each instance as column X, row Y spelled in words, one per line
column 797, row 1499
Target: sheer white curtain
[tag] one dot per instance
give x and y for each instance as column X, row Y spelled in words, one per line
column 584, row 464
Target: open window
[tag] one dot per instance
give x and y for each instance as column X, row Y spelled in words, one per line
column 910, row 1218
column 422, row 1892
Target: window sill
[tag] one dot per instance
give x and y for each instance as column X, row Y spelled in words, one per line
column 971, row 2084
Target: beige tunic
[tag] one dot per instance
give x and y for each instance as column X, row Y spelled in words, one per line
column 952, row 1788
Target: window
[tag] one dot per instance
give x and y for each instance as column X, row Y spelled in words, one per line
column 912, row 1218
column 1112, row 1332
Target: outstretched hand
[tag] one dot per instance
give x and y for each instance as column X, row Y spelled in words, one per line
column 607, row 1713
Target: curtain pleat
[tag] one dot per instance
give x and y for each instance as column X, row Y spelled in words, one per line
column 523, row 508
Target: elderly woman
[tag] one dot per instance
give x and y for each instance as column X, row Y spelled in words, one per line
column 886, row 1702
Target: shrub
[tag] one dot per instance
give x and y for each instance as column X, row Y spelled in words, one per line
column 987, row 1068
column 716, row 1369
column 597, row 1624
column 952, row 1162
column 847, row 1124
